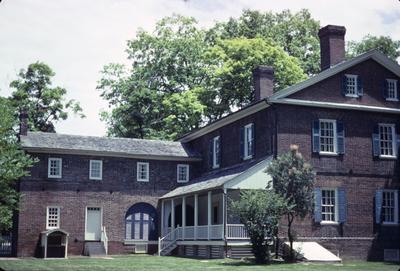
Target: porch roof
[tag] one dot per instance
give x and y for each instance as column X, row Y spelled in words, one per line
column 228, row 178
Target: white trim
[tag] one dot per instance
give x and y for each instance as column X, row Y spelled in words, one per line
column 49, row 166
column 138, row 164
column 225, row 121
column 186, row 166
column 214, row 153
column 396, row 206
column 90, row 170
column 355, row 78
column 394, row 141
column 374, row 54
column 246, row 154
column 336, row 221
column 58, row 217
column 334, row 137
column 396, row 90
column 101, row 219
column 337, row 105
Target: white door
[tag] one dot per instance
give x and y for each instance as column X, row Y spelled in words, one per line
column 93, row 224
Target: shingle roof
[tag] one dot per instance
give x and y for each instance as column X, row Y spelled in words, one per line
column 47, row 142
column 213, row 180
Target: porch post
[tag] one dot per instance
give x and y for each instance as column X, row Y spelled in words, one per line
column 172, row 214
column 209, row 214
column 196, row 214
column 223, row 215
column 183, row 216
column 162, row 218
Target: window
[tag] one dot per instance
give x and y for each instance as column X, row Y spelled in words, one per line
column 329, row 205
column 54, row 168
column 389, row 206
column 141, row 222
column 391, row 86
column 53, row 217
column 216, row 152
column 387, row 140
column 182, row 173
column 248, row 141
column 327, row 136
column 96, row 170
column 351, row 87
column 142, row 172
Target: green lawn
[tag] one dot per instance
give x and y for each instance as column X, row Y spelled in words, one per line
column 155, row 263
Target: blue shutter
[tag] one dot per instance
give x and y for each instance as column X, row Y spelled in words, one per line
column 398, row 206
column 219, row 151
column 360, row 88
column 344, row 85
column 241, row 142
column 317, row 205
column 398, row 147
column 375, row 142
column 315, row 136
column 340, row 137
column 342, row 205
column 252, row 139
column 210, row 153
column 385, row 88
column 378, row 205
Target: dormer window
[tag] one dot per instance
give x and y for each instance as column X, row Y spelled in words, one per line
column 352, row 86
column 390, row 91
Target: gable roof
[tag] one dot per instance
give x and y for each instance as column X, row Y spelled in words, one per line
column 373, row 54
column 244, row 176
column 40, row 142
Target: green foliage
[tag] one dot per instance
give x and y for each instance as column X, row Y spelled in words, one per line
column 13, row 165
column 294, row 180
column 231, row 63
column 386, row 45
column 296, row 33
column 44, row 104
column 259, row 211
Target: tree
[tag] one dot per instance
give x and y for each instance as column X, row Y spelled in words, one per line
column 296, row 33
column 259, row 211
column 231, row 62
column 293, row 180
column 386, row 45
column 44, row 104
column 13, row 165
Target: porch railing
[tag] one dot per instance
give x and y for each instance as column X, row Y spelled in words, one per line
column 104, row 239
column 236, row 231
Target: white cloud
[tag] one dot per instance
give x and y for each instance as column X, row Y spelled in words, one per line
column 76, row 38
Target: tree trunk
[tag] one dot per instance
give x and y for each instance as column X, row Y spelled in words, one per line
column 290, row 237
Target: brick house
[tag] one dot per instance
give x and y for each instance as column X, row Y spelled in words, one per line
column 126, row 193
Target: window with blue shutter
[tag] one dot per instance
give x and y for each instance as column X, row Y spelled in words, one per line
column 342, row 205
column 378, row 205
column 340, row 137
column 352, row 86
column 215, row 152
column 211, row 153
column 315, row 136
column 360, row 88
column 385, row 89
column 344, row 85
column 398, row 145
column 241, row 142
column 252, row 140
column 375, row 142
column 317, row 205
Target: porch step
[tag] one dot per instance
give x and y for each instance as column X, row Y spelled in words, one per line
column 167, row 251
column 94, row 249
column 314, row 252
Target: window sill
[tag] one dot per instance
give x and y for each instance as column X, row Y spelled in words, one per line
column 388, row 157
column 328, row 154
column 180, row 181
column 143, row 181
column 96, row 179
column 215, row 167
column 390, row 224
column 248, row 157
column 352, row 96
column 332, row 223
column 392, row 100
column 54, row 177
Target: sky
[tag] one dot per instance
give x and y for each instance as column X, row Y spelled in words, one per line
column 76, row 38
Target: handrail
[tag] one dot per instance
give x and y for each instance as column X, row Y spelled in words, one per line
column 168, row 240
column 104, row 239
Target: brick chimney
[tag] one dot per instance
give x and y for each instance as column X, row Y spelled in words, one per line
column 263, row 77
column 331, row 39
column 23, row 123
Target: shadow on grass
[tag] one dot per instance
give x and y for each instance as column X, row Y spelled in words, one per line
column 251, row 262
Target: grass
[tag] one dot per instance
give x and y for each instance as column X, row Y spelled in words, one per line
column 150, row 263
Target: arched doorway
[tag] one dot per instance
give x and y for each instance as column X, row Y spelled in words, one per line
column 141, row 222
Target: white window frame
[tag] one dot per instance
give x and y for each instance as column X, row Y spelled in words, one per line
column 395, row 90
column 91, row 177
column 352, row 95
column 247, row 129
column 49, row 167
column 394, row 141
column 138, row 165
column 186, row 166
column 336, row 221
column 58, row 217
column 334, row 137
column 214, row 150
column 396, row 206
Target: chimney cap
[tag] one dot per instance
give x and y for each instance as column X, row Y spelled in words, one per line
column 263, row 70
column 330, row 29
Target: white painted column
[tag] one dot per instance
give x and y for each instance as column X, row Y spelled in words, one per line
column 172, row 214
column 209, row 203
column 196, row 214
column 183, row 216
column 223, row 214
column 162, row 219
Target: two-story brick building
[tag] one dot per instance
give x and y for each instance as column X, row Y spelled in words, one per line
column 126, row 193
